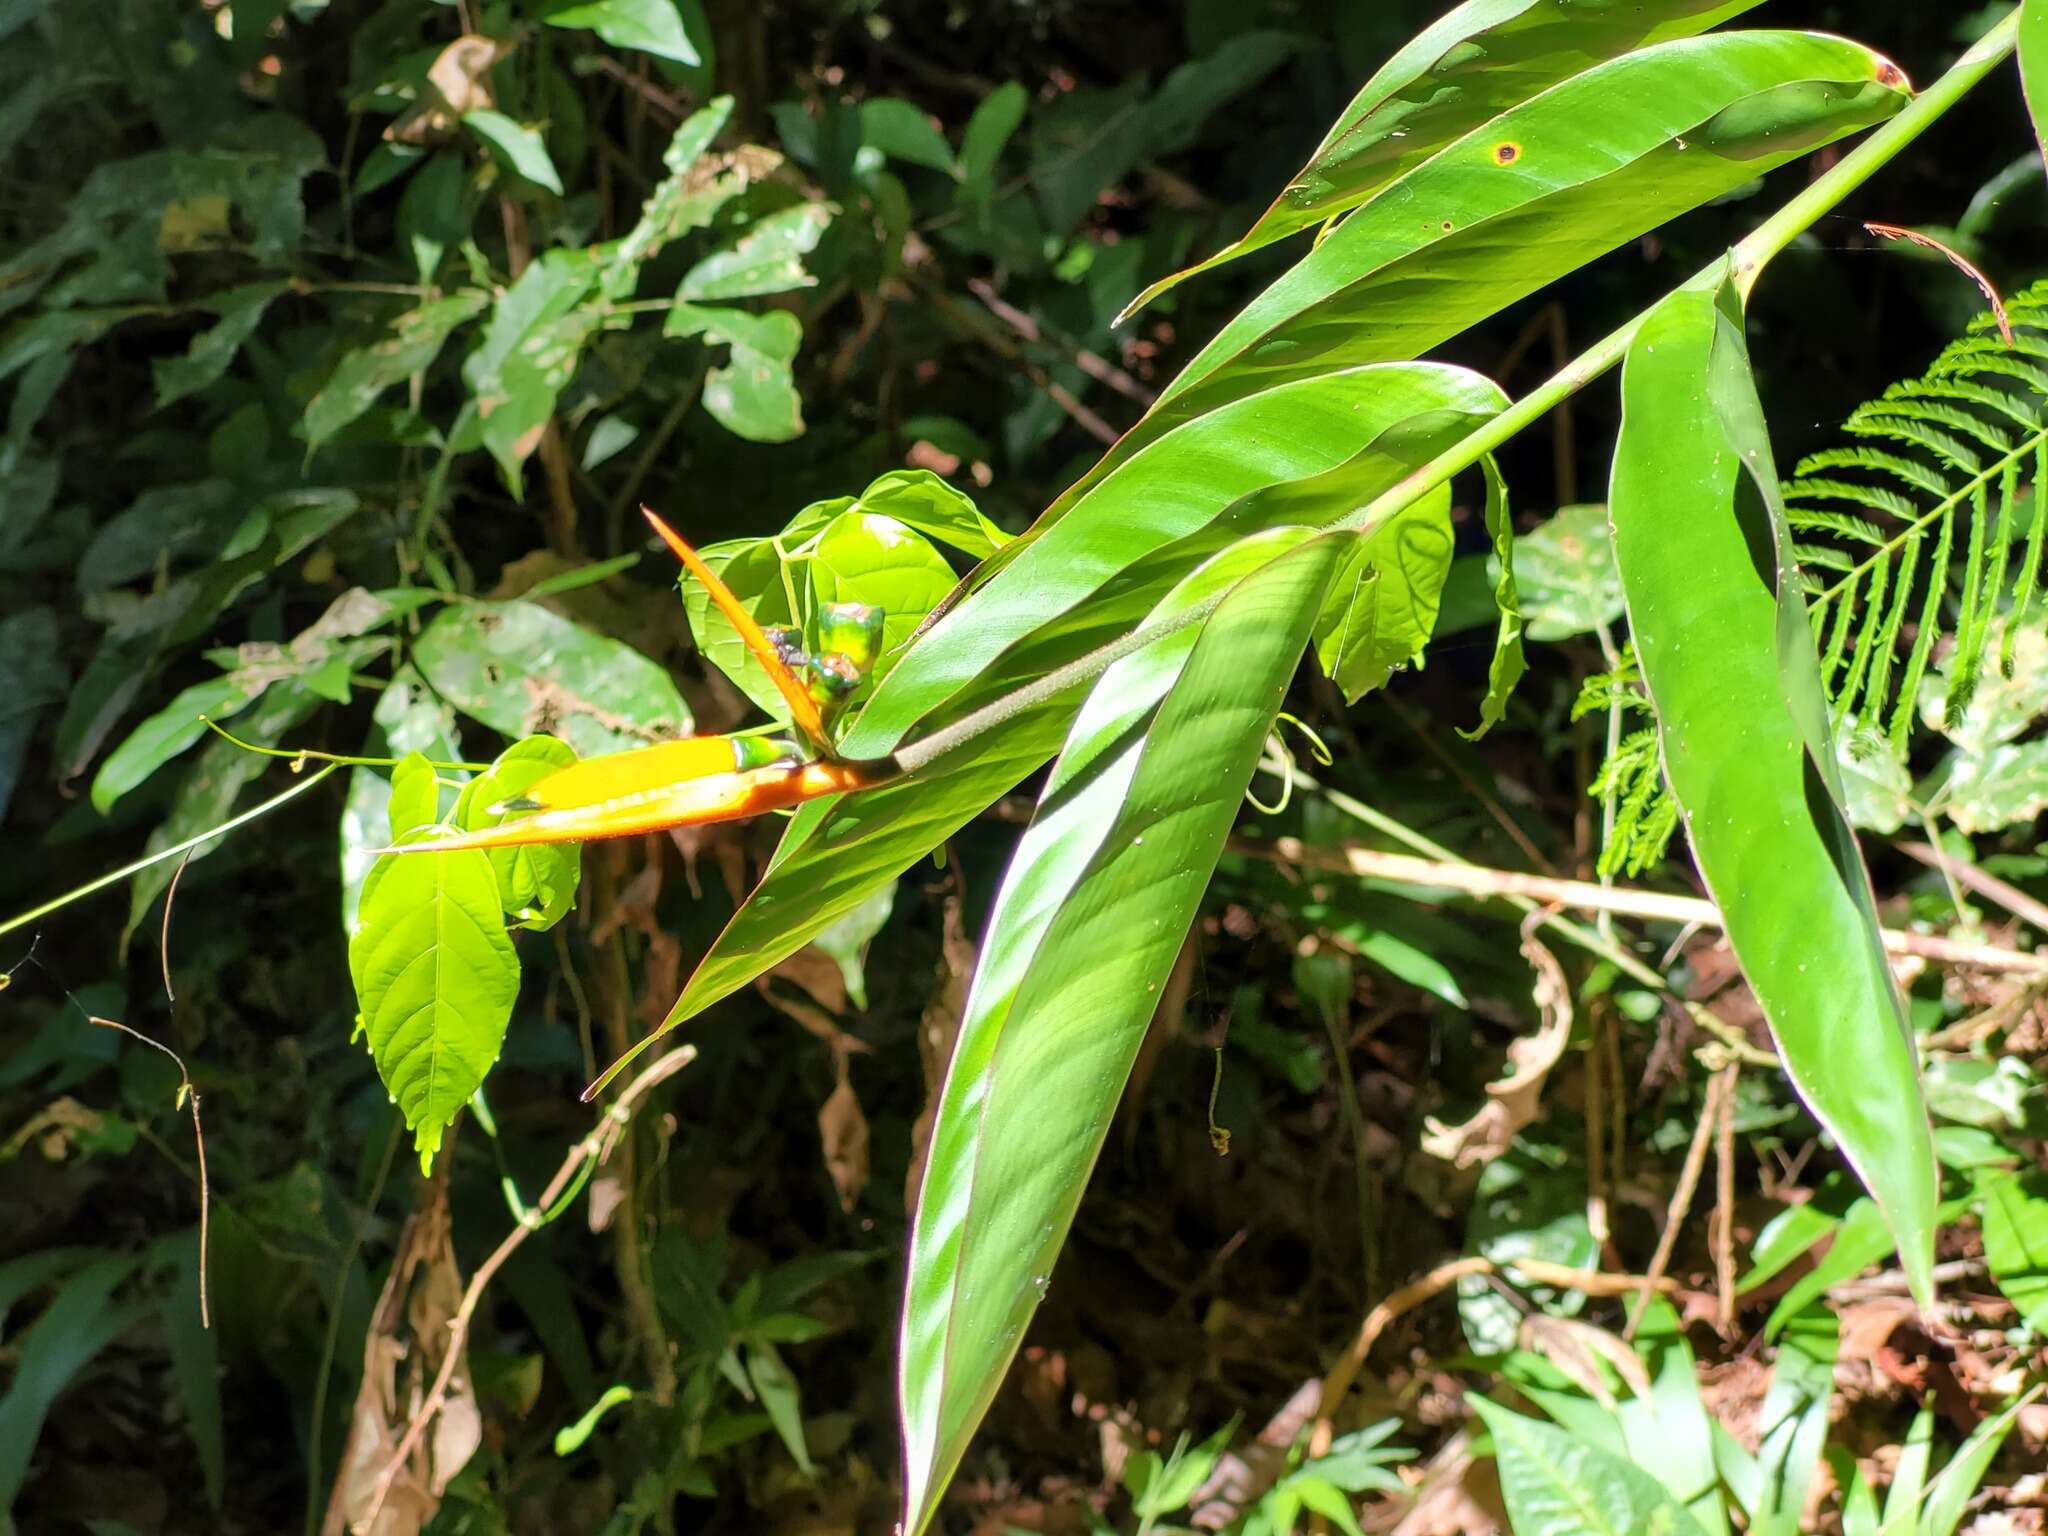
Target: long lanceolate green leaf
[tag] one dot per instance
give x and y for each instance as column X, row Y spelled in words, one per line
column 1092, row 912
column 1475, row 63
column 1705, row 556
column 2034, row 65
column 1528, row 196
column 1299, row 456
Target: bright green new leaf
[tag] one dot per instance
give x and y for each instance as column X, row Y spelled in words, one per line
column 520, row 147
column 1300, row 455
column 1382, row 606
column 768, row 258
column 1092, row 912
column 652, row 26
column 537, row 884
column 751, row 394
column 522, row 670
column 415, row 340
column 1475, row 63
column 1556, row 1484
column 434, row 970
column 1728, row 657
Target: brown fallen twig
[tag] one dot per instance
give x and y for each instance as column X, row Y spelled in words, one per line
column 598, row 1144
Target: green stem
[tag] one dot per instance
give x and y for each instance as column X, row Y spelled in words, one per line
column 80, row 892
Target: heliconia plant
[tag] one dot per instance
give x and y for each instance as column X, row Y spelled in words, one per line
column 1289, row 490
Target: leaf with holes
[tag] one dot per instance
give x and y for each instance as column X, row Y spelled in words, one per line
column 768, row 258
column 522, row 670
column 751, row 394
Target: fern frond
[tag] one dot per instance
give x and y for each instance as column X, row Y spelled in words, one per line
column 1917, row 534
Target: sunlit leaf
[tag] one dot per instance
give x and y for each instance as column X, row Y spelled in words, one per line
column 1092, row 912
column 1728, row 656
column 520, row 146
column 434, row 970
column 1556, row 1484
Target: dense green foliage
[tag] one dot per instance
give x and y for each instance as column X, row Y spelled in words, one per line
column 339, row 340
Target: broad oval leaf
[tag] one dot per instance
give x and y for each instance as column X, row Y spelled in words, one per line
column 1092, row 912
column 435, row 975
column 1728, row 657
column 1470, row 66
column 1298, row 456
column 522, row 670
column 1556, row 1484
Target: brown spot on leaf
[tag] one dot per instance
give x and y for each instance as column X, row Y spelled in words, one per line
column 1507, row 154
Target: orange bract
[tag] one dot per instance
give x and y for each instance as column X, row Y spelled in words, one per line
column 803, row 709
column 645, row 795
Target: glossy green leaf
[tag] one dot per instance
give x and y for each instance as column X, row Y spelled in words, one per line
column 768, row 258
column 750, row 394
column 919, row 499
column 1093, row 910
column 1558, row 1485
column 1530, row 196
column 652, row 26
column 414, row 341
column 2033, row 52
column 864, row 557
column 523, row 670
column 1478, row 61
column 1728, row 657
column 1299, row 455
column 537, row 884
column 1382, row 606
column 434, row 970
column 409, row 717
column 519, row 146
column 686, row 198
